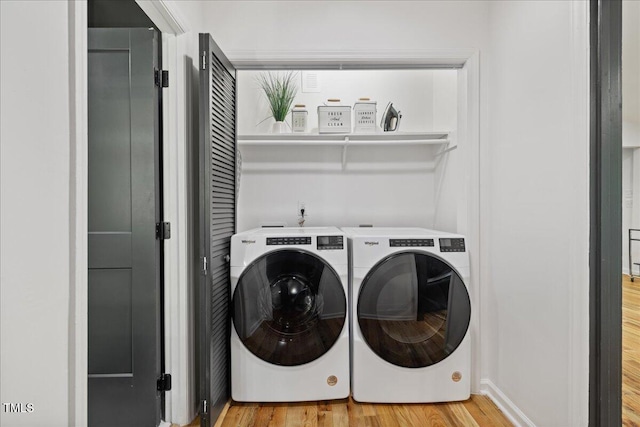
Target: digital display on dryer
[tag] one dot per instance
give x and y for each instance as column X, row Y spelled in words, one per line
column 452, row 245
column 330, row 242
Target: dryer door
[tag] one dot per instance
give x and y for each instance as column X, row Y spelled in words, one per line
column 413, row 309
column 289, row 307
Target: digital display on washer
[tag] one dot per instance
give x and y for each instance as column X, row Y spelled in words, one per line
column 330, row 242
column 288, row 241
column 410, row 242
column 452, row 245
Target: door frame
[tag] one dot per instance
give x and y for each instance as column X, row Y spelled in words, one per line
column 171, row 23
column 605, row 290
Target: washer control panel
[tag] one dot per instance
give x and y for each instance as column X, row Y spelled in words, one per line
column 395, row 243
column 452, row 245
column 330, row 242
column 278, row 241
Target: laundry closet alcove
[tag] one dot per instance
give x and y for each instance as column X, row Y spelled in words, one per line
column 405, row 178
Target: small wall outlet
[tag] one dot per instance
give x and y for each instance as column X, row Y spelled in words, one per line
column 302, row 213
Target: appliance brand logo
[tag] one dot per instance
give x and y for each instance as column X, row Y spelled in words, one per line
column 371, row 243
column 248, row 241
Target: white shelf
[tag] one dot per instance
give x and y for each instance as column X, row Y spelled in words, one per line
column 387, row 138
column 344, row 141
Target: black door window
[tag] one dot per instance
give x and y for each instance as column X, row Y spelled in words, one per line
column 413, row 310
column 289, row 307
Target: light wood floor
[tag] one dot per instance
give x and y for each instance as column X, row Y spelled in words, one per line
column 479, row 411
column 630, row 352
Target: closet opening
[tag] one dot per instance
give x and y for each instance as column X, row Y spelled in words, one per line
column 356, row 173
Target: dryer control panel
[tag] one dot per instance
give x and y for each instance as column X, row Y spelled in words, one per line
column 330, row 242
column 452, row 245
column 395, row 243
column 288, row 241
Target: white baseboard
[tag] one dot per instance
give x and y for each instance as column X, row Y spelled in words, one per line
column 510, row 410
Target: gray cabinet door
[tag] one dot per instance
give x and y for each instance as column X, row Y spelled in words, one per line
column 124, row 255
column 217, row 223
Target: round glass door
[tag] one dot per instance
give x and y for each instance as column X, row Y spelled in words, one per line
column 413, row 310
column 289, row 307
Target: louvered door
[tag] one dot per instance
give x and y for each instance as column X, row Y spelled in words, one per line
column 217, row 223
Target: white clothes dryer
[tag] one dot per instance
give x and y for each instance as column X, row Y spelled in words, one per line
column 289, row 333
column 411, row 312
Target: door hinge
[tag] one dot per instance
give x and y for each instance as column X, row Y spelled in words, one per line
column 164, row 382
column 204, row 266
column 163, row 230
column 205, row 407
column 161, row 78
column 204, row 60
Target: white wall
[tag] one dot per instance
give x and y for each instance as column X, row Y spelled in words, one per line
column 449, row 181
column 630, row 207
column 189, row 11
column 324, row 25
column 184, row 404
column 634, row 214
column 630, row 73
column 35, row 211
column 630, row 128
column 628, row 220
column 383, row 186
column 537, row 224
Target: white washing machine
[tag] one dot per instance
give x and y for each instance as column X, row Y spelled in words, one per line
column 289, row 333
column 410, row 317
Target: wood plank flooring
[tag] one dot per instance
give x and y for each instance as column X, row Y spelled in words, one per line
column 630, row 352
column 479, row 411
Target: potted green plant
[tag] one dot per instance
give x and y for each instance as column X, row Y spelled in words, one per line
column 280, row 90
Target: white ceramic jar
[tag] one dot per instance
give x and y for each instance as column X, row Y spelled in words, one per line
column 299, row 116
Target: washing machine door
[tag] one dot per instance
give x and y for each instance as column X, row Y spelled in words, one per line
column 289, row 307
column 413, row 309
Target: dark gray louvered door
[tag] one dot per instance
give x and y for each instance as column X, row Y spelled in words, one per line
column 217, row 223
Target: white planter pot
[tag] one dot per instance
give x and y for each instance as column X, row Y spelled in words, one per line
column 279, row 127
